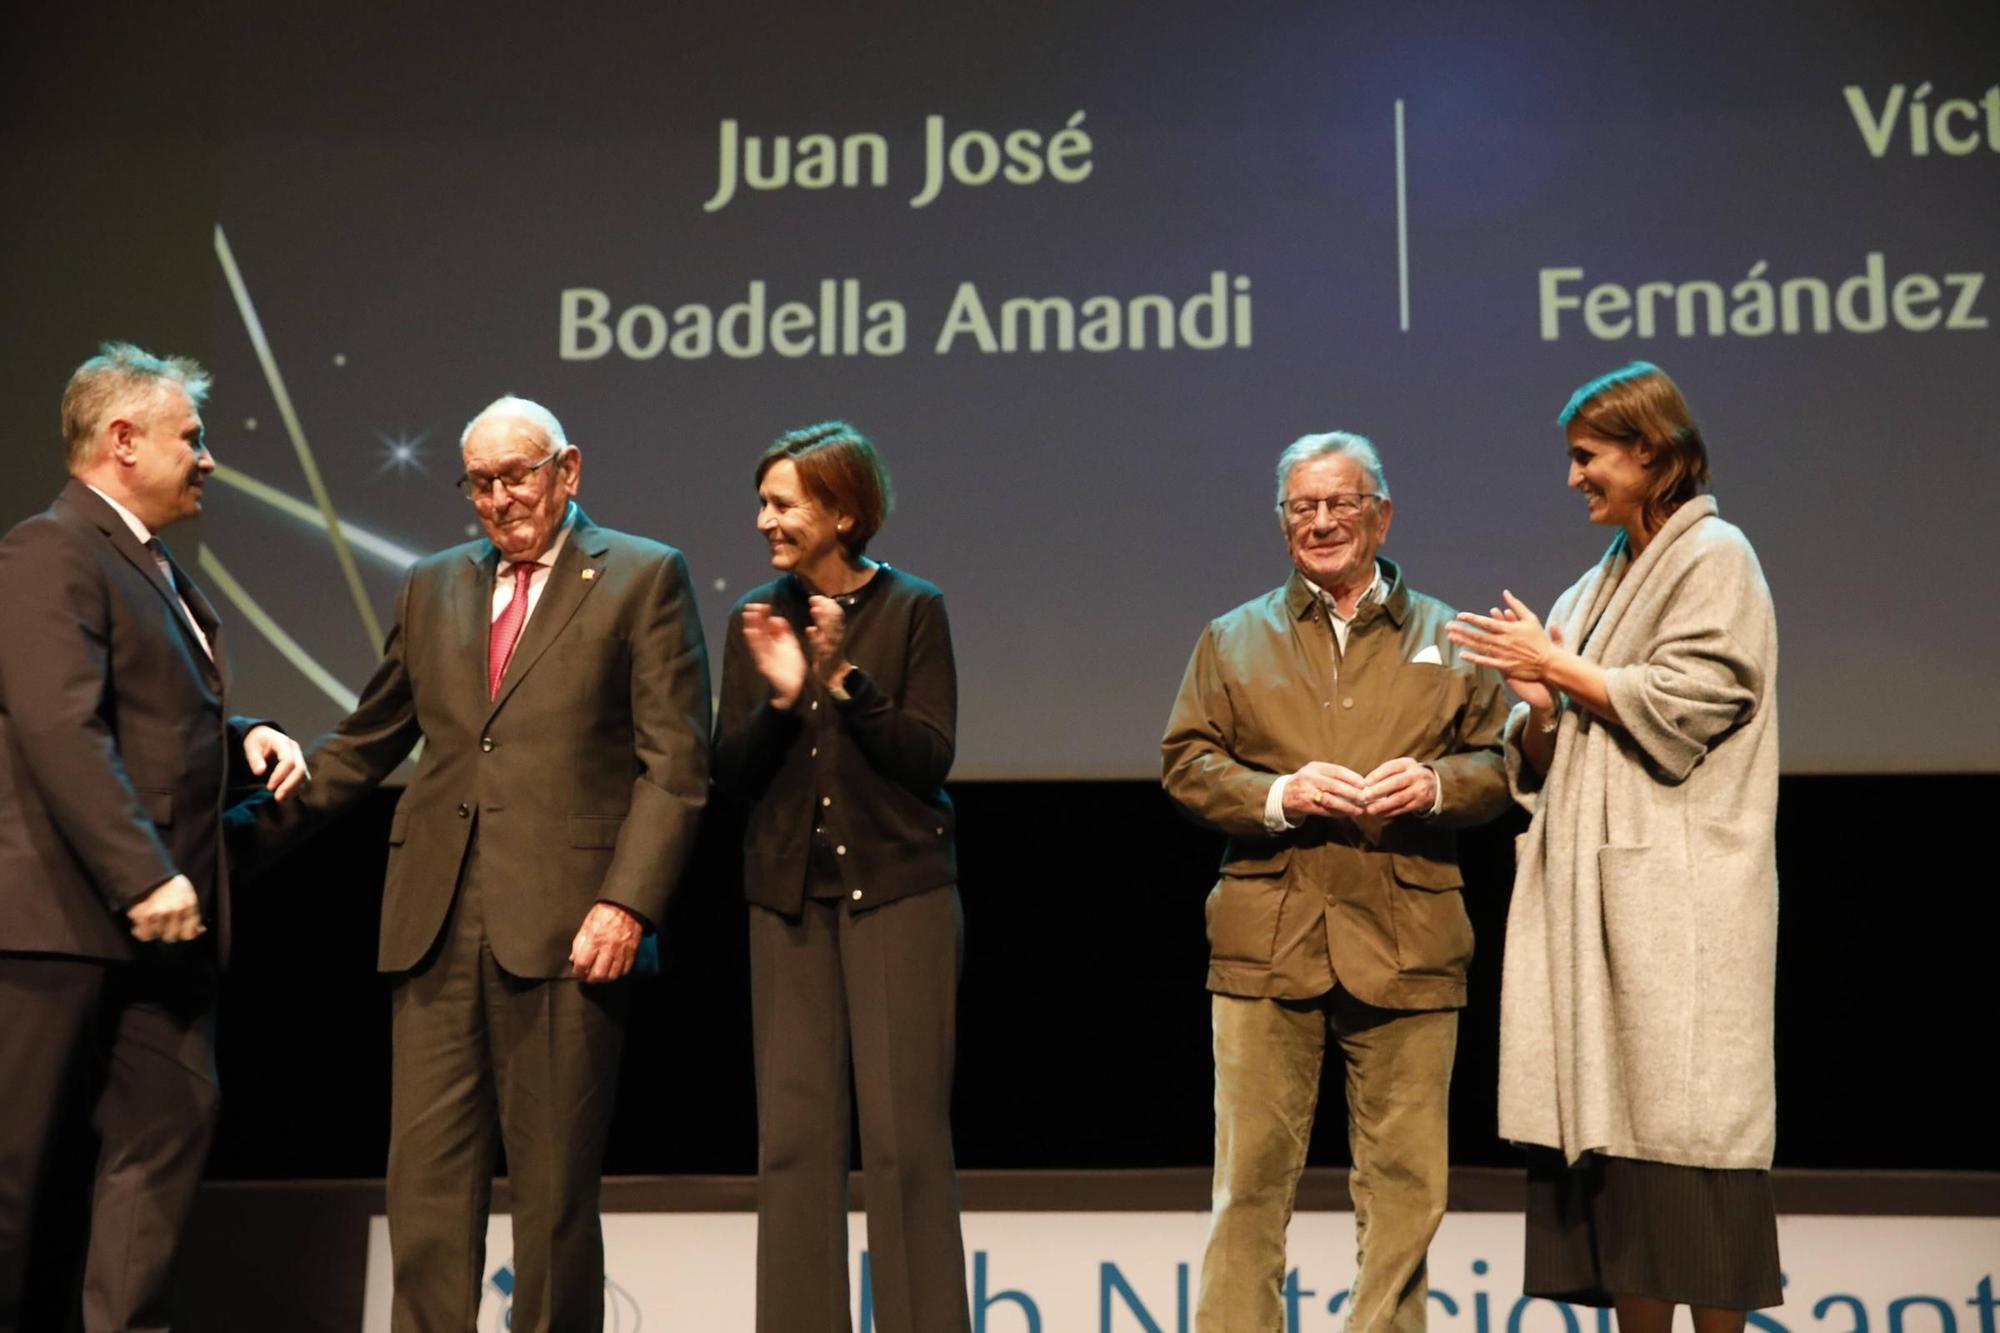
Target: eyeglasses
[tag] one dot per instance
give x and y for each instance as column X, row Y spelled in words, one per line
column 518, row 481
column 1305, row 508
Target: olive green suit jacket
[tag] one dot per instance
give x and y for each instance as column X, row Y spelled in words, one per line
column 1268, row 691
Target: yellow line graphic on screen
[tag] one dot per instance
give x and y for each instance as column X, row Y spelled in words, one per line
column 396, row 557
column 259, row 619
column 324, row 502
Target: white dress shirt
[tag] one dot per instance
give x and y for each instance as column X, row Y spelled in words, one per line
column 503, row 574
column 145, row 536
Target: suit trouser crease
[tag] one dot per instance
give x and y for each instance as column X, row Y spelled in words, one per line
column 137, row 1042
column 1268, row 1060
column 50, row 1004
column 879, row 989
column 156, row 1118
column 482, row 1057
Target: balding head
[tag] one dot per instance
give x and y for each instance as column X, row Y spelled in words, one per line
column 521, row 472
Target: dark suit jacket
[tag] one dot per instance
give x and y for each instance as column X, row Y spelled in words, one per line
column 114, row 745
column 586, row 777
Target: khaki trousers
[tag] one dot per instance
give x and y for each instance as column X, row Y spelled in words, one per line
column 1268, row 1055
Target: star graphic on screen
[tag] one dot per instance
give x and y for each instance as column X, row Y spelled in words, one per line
column 402, row 453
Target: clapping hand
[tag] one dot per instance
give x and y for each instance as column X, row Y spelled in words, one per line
column 1512, row 641
column 826, row 637
column 776, row 651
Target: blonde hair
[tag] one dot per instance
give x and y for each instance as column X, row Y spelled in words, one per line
column 122, row 379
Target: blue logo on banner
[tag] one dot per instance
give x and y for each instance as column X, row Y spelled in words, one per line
column 621, row 1309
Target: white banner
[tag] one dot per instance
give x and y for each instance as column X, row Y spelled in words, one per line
column 1138, row 1273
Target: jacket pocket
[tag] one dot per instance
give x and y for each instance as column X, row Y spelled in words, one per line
column 1652, row 978
column 1426, row 873
column 1246, row 857
column 1244, row 910
column 1433, row 933
column 595, row 830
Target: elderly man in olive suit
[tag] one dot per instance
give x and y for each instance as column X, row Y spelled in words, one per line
column 1330, row 729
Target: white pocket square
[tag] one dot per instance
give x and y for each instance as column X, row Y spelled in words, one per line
column 1428, row 654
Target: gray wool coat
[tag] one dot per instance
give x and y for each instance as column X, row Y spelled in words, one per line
column 1637, row 987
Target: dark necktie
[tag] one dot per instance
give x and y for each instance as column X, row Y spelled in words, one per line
column 507, row 629
column 165, row 565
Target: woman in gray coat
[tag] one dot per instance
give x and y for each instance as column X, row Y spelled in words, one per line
column 1637, row 987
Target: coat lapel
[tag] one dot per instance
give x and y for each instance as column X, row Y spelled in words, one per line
column 1620, row 577
column 578, row 569
column 108, row 521
column 473, row 616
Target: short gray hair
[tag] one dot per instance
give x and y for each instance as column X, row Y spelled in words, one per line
column 1346, row 444
column 520, row 409
column 121, row 379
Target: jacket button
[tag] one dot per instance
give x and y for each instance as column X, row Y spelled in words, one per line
column 815, row 705
column 1348, row 702
column 486, row 744
column 815, row 752
column 826, row 800
column 940, row 830
column 856, row 894
column 840, row 850
column 464, row 810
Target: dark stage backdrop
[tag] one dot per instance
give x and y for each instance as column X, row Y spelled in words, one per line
column 370, row 225
column 1083, row 1032
column 1082, row 270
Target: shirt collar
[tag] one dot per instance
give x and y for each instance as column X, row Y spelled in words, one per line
column 547, row 559
column 139, row 530
column 1377, row 591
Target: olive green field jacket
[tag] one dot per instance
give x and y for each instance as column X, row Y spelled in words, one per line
column 1265, row 693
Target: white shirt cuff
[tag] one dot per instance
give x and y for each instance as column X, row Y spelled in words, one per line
column 1274, row 807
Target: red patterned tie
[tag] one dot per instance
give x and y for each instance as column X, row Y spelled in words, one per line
column 507, row 629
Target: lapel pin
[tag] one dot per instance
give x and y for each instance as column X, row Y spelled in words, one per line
column 589, row 574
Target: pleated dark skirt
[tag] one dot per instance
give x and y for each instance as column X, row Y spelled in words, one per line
column 1685, row 1234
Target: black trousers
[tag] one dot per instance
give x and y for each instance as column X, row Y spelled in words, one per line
column 129, row 1047
column 879, row 987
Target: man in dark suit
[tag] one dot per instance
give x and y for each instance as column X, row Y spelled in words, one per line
column 115, row 749
column 556, row 675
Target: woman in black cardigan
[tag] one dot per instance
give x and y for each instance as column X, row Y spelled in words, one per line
column 836, row 727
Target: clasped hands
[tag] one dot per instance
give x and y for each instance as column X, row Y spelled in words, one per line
column 1400, row 786
column 786, row 663
column 171, row 913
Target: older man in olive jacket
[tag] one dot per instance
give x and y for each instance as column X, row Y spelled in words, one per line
column 1331, row 731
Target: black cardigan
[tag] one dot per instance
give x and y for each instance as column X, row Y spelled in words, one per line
column 880, row 757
